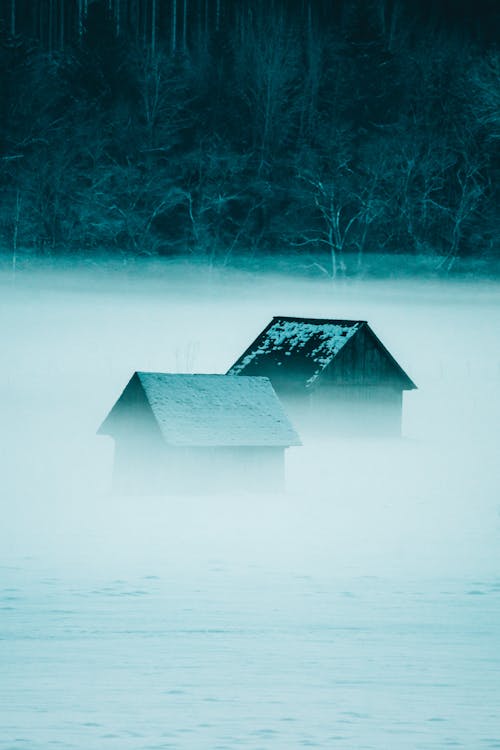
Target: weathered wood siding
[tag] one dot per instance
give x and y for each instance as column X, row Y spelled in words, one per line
column 362, row 361
column 360, row 392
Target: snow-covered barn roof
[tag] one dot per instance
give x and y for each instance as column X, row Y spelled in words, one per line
column 209, row 410
column 311, row 344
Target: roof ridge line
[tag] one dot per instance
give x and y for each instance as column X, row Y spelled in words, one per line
column 298, row 319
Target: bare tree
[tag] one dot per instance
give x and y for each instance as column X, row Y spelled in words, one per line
column 338, row 212
column 161, row 100
column 469, row 190
column 267, row 67
column 485, row 103
column 221, row 213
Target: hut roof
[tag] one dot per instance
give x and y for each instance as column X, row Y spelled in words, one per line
column 212, row 410
column 310, row 343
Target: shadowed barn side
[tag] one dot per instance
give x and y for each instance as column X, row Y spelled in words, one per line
column 333, row 376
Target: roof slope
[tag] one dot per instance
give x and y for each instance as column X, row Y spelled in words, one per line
column 216, row 410
column 314, row 342
column 310, row 343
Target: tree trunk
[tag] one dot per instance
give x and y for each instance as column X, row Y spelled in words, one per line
column 184, row 25
column 51, row 24
column 153, row 28
column 13, row 17
column 174, row 26
column 15, row 233
column 117, row 17
column 61, row 25
column 80, row 18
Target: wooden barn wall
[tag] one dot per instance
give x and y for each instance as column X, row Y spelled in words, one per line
column 362, row 362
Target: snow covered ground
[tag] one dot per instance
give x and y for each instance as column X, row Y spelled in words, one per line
column 359, row 610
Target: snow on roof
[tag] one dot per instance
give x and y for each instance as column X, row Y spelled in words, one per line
column 315, row 342
column 217, row 410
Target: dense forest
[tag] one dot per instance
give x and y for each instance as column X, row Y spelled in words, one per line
column 216, row 128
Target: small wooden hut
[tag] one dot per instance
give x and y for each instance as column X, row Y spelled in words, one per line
column 333, row 376
column 198, row 433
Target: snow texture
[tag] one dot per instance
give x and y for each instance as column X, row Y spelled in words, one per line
column 359, row 611
column 316, row 342
column 217, row 410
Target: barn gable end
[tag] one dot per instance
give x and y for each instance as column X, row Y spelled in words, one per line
column 132, row 414
column 364, row 361
column 334, row 376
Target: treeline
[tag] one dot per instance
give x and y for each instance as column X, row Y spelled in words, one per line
column 218, row 128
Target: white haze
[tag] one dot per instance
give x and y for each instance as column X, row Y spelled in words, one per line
column 360, row 609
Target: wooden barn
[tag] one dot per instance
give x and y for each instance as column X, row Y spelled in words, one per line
column 333, row 376
column 198, row 433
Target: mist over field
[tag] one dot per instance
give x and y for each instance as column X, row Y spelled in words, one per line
column 172, row 176
column 360, row 609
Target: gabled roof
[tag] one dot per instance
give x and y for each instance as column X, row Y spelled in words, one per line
column 211, row 410
column 311, row 344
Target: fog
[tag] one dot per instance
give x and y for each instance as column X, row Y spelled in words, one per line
column 208, row 621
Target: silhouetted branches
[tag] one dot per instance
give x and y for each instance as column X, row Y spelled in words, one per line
column 216, row 128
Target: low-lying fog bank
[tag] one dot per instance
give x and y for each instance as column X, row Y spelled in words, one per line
column 69, row 348
column 359, row 609
column 303, row 264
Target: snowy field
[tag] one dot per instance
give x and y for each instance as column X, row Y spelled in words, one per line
column 359, row 611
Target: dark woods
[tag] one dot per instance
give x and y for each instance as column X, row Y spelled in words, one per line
column 216, row 128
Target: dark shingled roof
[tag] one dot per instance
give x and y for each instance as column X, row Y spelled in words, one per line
column 212, row 410
column 311, row 343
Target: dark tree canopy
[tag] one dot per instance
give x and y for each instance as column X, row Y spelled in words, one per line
column 217, row 128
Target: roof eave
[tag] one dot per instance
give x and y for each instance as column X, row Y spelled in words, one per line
column 102, row 431
column 288, row 444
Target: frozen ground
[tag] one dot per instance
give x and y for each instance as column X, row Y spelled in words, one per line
column 360, row 610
